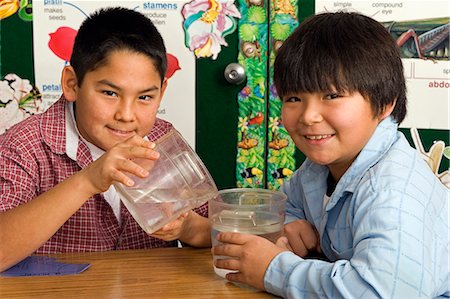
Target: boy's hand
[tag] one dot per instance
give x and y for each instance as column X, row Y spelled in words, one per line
column 250, row 255
column 117, row 163
column 303, row 237
column 173, row 230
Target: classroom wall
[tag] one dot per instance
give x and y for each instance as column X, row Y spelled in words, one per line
column 216, row 101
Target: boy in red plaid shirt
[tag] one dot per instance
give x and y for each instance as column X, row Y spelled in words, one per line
column 57, row 168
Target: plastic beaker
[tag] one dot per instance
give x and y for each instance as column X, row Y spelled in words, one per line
column 252, row 211
column 178, row 182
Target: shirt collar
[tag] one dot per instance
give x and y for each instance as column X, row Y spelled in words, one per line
column 73, row 136
column 53, row 126
column 71, row 132
column 379, row 143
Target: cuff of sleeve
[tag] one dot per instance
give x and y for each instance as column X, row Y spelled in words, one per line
column 290, row 218
column 278, row 272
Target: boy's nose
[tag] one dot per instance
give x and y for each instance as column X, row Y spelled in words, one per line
column 125, row 111
column 311, row 114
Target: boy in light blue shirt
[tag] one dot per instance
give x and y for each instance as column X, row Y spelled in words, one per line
column 364, row 200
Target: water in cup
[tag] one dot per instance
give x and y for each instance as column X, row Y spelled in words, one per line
column 264, row 224
column 178, row 182
column 150, row 212
column 252, row 211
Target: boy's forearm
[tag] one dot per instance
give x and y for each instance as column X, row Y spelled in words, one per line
column 25, row 228
column 197, row 231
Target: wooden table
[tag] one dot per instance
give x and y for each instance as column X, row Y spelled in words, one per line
column 153, row 273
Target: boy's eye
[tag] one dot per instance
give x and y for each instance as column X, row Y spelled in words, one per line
column 109, row 93
column 291, row 100
column 146, row 97
column 332, row 96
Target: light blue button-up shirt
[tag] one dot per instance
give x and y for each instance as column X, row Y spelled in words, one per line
column 385, row 229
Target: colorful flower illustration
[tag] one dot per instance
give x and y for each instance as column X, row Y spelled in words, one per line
column 8, row 8
column 61, row 42
column 18, row 100
column 273, row 124
column 26, row 10
column 245, row 92
column 173, row 65
column 242, row 124
column 206, row 24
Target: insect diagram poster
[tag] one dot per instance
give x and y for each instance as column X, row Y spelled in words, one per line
column 421, row 29
column 55, row 23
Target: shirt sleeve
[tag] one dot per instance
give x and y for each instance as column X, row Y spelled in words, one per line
column 18, row 176
column 294, row 204
column 202, row 210
column 398, row 251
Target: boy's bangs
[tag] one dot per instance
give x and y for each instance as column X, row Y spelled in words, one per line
column 315, row 72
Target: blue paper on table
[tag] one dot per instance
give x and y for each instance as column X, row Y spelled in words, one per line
column 43, row 266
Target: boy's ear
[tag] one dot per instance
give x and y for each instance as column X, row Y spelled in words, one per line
column 388, row 110
column 69, row 83
column 163, row 88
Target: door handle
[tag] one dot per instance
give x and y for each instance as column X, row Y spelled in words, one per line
column 235, row 73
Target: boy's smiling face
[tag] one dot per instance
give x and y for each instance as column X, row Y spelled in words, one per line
column 330, row 129
column 116, row 100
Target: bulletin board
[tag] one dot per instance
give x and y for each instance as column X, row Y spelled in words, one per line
column 215, row 100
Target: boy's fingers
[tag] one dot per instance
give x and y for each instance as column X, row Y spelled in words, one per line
column 141, row 152
column 227, row 263
column 148, row 144
column 318, row 249
column 138, row 142
column 309, row 240
column 227, row 250
column 233, row 238
column 175, row 224
column 284, row 243
column 130, row 167
column 122, row 178
column 298, row 246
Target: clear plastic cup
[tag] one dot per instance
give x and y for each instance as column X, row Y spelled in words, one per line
column 252, row 211
column 178, row 182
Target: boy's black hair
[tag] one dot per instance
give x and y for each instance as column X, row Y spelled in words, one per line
column 346, row 51
column 112, row 29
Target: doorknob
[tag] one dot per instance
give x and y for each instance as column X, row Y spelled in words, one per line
column 235, row 73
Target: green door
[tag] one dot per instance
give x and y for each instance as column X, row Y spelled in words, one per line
column 239, row 131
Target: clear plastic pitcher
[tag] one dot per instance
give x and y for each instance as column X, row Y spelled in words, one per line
column 178, row 182
column 252, row 211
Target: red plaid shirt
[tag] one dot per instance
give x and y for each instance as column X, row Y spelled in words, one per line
column 33, row 160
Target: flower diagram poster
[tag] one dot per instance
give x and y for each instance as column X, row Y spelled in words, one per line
column 421, row 29
column 55, row 24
